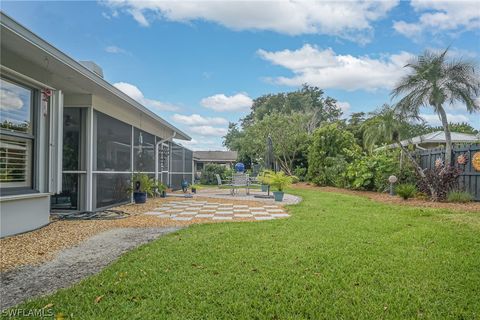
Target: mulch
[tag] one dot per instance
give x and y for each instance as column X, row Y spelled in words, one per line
column 386, row 198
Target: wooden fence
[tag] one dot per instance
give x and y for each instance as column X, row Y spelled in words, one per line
column 469, row 180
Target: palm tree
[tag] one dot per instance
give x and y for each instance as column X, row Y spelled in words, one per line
column 435, row 80
column 387, row 125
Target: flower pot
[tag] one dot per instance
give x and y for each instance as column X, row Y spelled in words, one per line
column 163, row 194
column 264, row 187
column 278, row 195
column 140, row 197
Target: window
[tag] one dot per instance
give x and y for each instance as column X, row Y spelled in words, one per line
column 113, row 147
column 16, row 139
column 144, row 149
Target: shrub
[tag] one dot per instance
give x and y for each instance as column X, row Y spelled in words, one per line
column 209, row 172
column 459, row 196
column 406, row 190
column 331, row 145
column 360, row 174
column 442, row 179
column 301, row 173
column 371, row 172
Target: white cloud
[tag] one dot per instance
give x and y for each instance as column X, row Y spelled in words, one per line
column 347, row 19
column 198, row 120
column 344, row 106
column 209, row 131
column 221, row 102
column 136, row 94
column 203, row 144
column 10, row 100
column 326, row 69
column 114, row 49
column 434, row 120
column 438, row 17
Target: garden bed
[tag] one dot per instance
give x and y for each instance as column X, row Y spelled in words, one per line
column 386, row 198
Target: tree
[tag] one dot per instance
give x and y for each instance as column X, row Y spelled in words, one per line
column 434, row 80
column 308, row 100
column 290, row 115
column 388, row 124
column 461, row 127
column 331, row 148
column 289, row 138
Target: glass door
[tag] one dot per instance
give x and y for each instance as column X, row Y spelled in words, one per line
column 73, row 173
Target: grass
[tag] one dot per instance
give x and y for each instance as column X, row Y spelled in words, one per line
column 337, row 257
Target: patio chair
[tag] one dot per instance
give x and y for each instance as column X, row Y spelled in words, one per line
column 240, row 180
column 223, row 184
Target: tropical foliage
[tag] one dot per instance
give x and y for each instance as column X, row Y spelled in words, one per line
column 406, row 191
column 331, row 148
column 279, row 180
column 435, row 80
column 312, row 141
column 209, row 172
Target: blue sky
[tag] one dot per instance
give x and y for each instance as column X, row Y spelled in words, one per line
column 200, row 64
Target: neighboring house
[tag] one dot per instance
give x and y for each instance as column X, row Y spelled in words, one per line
column 437, row 139
column 226, row 158
column 69, row 139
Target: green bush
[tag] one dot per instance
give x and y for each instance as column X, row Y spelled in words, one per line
column 300, row 173
column 330, row 149
column 459, row 196
column 210, row 170
column 406, row 190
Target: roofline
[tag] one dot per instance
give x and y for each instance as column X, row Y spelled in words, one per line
column 35, row 40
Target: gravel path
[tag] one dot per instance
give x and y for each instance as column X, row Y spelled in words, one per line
column 73, row 264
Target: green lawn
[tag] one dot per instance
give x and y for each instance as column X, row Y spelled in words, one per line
column 337, row 257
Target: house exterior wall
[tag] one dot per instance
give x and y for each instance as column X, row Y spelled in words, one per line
column 23, row 213
column 28, row 61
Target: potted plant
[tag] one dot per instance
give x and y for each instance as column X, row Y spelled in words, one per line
column 279, row 181
column 162, row 189
column 142, row 185
column 194, row 187
column 263, row 179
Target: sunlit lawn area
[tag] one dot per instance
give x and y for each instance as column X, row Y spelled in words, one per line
column 337, row 257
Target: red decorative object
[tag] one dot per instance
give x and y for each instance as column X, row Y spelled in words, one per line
column 46, row 94
column 461, row 159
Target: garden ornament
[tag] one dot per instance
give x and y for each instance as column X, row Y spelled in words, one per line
column 392, row 179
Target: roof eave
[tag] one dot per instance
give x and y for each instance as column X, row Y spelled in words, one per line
column 35, row 40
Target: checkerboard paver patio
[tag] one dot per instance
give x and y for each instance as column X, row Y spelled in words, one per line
column 193, row 209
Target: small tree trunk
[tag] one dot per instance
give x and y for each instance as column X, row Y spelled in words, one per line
column 448, row 136
column 419, row 169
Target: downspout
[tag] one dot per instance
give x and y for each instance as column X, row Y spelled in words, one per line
column 156, row 152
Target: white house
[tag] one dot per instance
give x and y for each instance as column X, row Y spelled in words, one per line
column 69, row 140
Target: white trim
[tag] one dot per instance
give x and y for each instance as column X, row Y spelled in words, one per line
column 24, row 196
column 89, row 160
column 23, row 78
column 120, row 172
column 56, row 143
